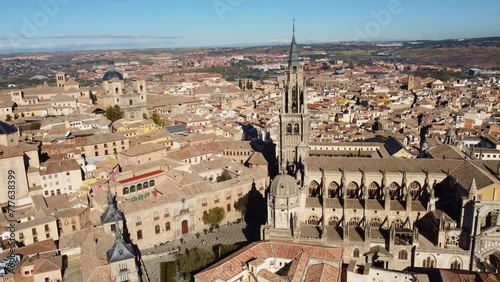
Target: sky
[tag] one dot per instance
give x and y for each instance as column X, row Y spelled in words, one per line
column 52, row 25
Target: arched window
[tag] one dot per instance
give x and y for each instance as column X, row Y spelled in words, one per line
column 353, row 222
column 397, row 223
column 125, row 191
column 334, row 221
column 332, row 189
column 456, row 264
column 157, row 229
column 372, row 190
column 414, row 189
column 151, row 183
column 393, row 189
column 355, row 253
column 452, row 240
column 145, row 185
column 403, row 255
column 139, row 187
column 375, row 222
column 140, row 88
column 352, row 189
column 167, row 226
column 313, row 220
column 428, row 262
column 313, row 189
column 132, row 189
column 490, row 219
column 296, row 129
column 289, row 129
column 130, row 102
column 116, row 90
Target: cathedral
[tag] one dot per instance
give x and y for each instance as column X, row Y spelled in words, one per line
column 132, row 98
column 391, row 213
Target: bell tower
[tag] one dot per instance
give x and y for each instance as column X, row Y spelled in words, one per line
column 294, row 120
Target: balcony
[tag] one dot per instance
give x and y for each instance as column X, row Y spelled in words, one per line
column 138, row 223
column 217, row 201
column 156, row 218
column 183, row 211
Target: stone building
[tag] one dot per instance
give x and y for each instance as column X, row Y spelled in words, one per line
column 131, row 98
column 391, row 213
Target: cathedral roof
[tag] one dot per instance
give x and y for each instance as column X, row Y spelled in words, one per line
column 284, row 185
column 111, row 72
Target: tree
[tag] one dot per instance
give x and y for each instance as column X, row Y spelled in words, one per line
column 248, row 84
column 157, row 119
column 114, row 113
column 240, row 84
column 224, row 176
column 8, row 117
column 145, row 116
column 92, row 97
column 251, row 85
column 193, row 260
column 227, row 248
column 35, row 126
column 214, row 216
column 241, row 204
column 22, row 115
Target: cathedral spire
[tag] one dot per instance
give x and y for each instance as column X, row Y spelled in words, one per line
column 293, row 60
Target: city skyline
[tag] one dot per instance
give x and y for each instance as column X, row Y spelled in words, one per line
column 52, row 25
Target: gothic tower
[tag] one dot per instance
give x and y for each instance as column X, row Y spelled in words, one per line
column 294, row 121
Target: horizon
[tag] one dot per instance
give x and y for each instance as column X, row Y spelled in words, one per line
column 68, row 25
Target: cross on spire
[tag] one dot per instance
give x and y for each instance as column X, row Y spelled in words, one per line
column 293, row 20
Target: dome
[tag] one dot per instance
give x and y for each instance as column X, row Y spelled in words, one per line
column 111, row 72
column 284, row 185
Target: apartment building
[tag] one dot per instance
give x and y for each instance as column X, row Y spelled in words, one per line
column 102, row 144
column 60, row 177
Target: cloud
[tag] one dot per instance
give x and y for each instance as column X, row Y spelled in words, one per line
column 107, row 36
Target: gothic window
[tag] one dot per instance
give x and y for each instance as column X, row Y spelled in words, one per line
column 334, row 221
column 355, row 253
column 393, row 189
column 296, row 129
column 456, row 263
column 403, row 255
column 397, row 223
column 428, row 262
column 352, row 188
column 353, row 222
column 313, row 189
column 332, row 189
column 414, row 189
column 288, row 129
column 372, row 190
column 452, row 240
column 313, row 220
column 490, row 219
column 375, row 222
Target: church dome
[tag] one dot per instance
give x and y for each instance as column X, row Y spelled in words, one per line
column 111, row 72
column 284, row 185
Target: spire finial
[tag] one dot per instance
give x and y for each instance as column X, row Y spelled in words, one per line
column 293, row 20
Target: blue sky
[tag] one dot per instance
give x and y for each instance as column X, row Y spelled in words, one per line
column 108, row 24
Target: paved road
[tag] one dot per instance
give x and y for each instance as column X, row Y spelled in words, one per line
column 225, row 235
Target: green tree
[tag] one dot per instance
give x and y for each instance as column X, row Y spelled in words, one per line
column 214, row 216
column 35, row 126
column 157, row 119
column 114, row 113
column 248, row 84
column 145, row 116
column 16, row 116
column 193, row 260
column 241, row 204
column 8, row 117
column 224, row 176
column 92, row 97
column 227, row 248
column 240, row 84
column 251, row 85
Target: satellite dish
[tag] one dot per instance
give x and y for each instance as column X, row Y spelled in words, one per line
column 68, row 133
